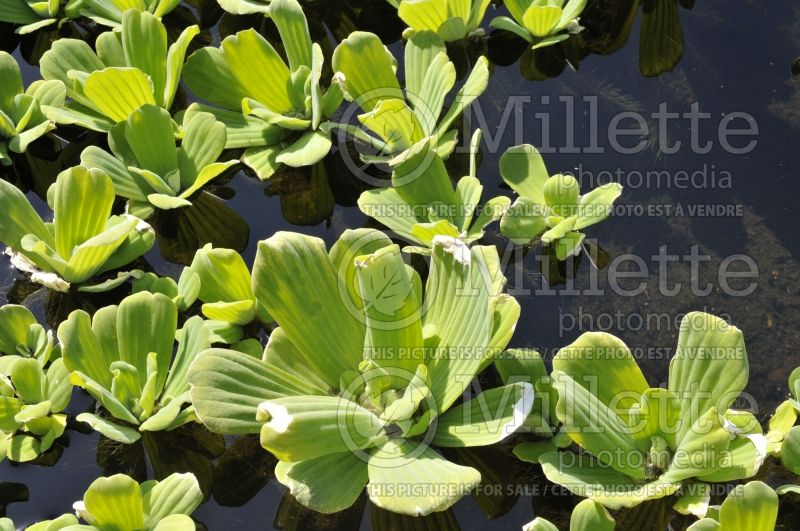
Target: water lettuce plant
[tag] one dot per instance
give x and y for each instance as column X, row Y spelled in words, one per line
column 541, row 22
column 34, row 387
column 123, row 357
column 83, row 240
column 404, row 122
column 586, row 516
column 131, row 67
column 452, row 20
column 150, row 169
column 641, row 443
column 110, row 12
column 550, row 207
column 783, row 436
column 277, row 111
column 226, row 287
column 420, row 207
column 21, row 118
column 359, row 381
column 30, row 15
column 183, row 293
column 753, row 506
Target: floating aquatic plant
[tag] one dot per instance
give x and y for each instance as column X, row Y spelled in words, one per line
column 148, row 167
column 423, row 205
column 132, row 67
column 278, row 112
column 541, row 22
column 644, row 443
column 361, row 377
column 110, row 12
column 783, row 436
column 123, row 357
column 405, row 122
column 21, row 118
column 34, row 387
column 83, row 240
column 452, row 20
column 30, row 15
column 753, row 506
column 550, row 207
column 586, row 516
column 183, row 292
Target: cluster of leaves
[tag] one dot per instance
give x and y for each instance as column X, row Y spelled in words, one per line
column 119, row 502
column 34, row 387
column 361, row 369
column 783, row 436
column 541, row 22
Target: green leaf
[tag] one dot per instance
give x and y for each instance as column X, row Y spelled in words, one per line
column 207, row 74
column 589, row 515
column 309, row 149
column 115, row 432
column 130, row 88
column 151, row 139
column 541, row 20
column 144, row 41
column 473, row 87
column 709, row 369
column 368, row 68
column 115, row 503
column 486, row 419
column 398, row 465
column 10, row 81
column 297, row 428
column 523, row 221
column 327, row 484
column 224, row 276
column 192, row 339
column 596, row 205
column 82, row 203
column 175, row 58
column 18, row 218
column 203, row 142
column 700, row 450
column 177, row 494
column 523, row 169
column 293, row 28
column 790, row 450
column 753, row 506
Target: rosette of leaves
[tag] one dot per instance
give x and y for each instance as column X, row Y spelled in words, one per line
column 551, row 208
column 30, row 15
column 110, row 12
column 131, row 67
column 21, row 118
column 183, row 292
column 541, row 22
column 421, row 206
column 226, row 287
column 150, row 169
column 34, row 387
column 404, row 122
column 586, row 516
column 783, row 436
column 641, row 443
column 452, row 20
column 276, row 111
column 123, row 357
column 83, row 240
column 360, row 380
column 119, row 502
column 753, row 506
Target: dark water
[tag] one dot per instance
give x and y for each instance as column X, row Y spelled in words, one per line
column 736, row 58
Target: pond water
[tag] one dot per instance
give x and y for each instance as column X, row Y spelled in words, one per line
column 691, row 217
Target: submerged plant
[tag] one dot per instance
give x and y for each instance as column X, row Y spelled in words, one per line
column 541, row 22
column 226, row 288
column 276, row 111
column 550, row 207
column 643, row 443
column 83, row 240
column 110, row 12
column 34, row 387
column 21, row 118
column 405, row 122
column 452, row 20
column 783, row 436
column 586, row 516
column 360, row 379
column 421, row 207
column 119, row 502
column 753, row 506
column 132, row 67
column 148, row 167
column 123, row 357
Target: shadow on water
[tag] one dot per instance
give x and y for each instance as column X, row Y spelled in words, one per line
column 633, row 56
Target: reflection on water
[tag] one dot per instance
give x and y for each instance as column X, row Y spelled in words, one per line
column 634, row 55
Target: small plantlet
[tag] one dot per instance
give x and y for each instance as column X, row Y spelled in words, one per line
column 131, row 67
column 110, row 13
column 359, row 381
column 21, row 118
column 278, row 112
column 83, row 240
column 123, row 357
column 452, row 20
column 641, row 443
column 148, row 167
column 541, row 22
column 422, row 206
column 551, row 208
column 31, row 15
column 34, row 387
column 411, row 121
